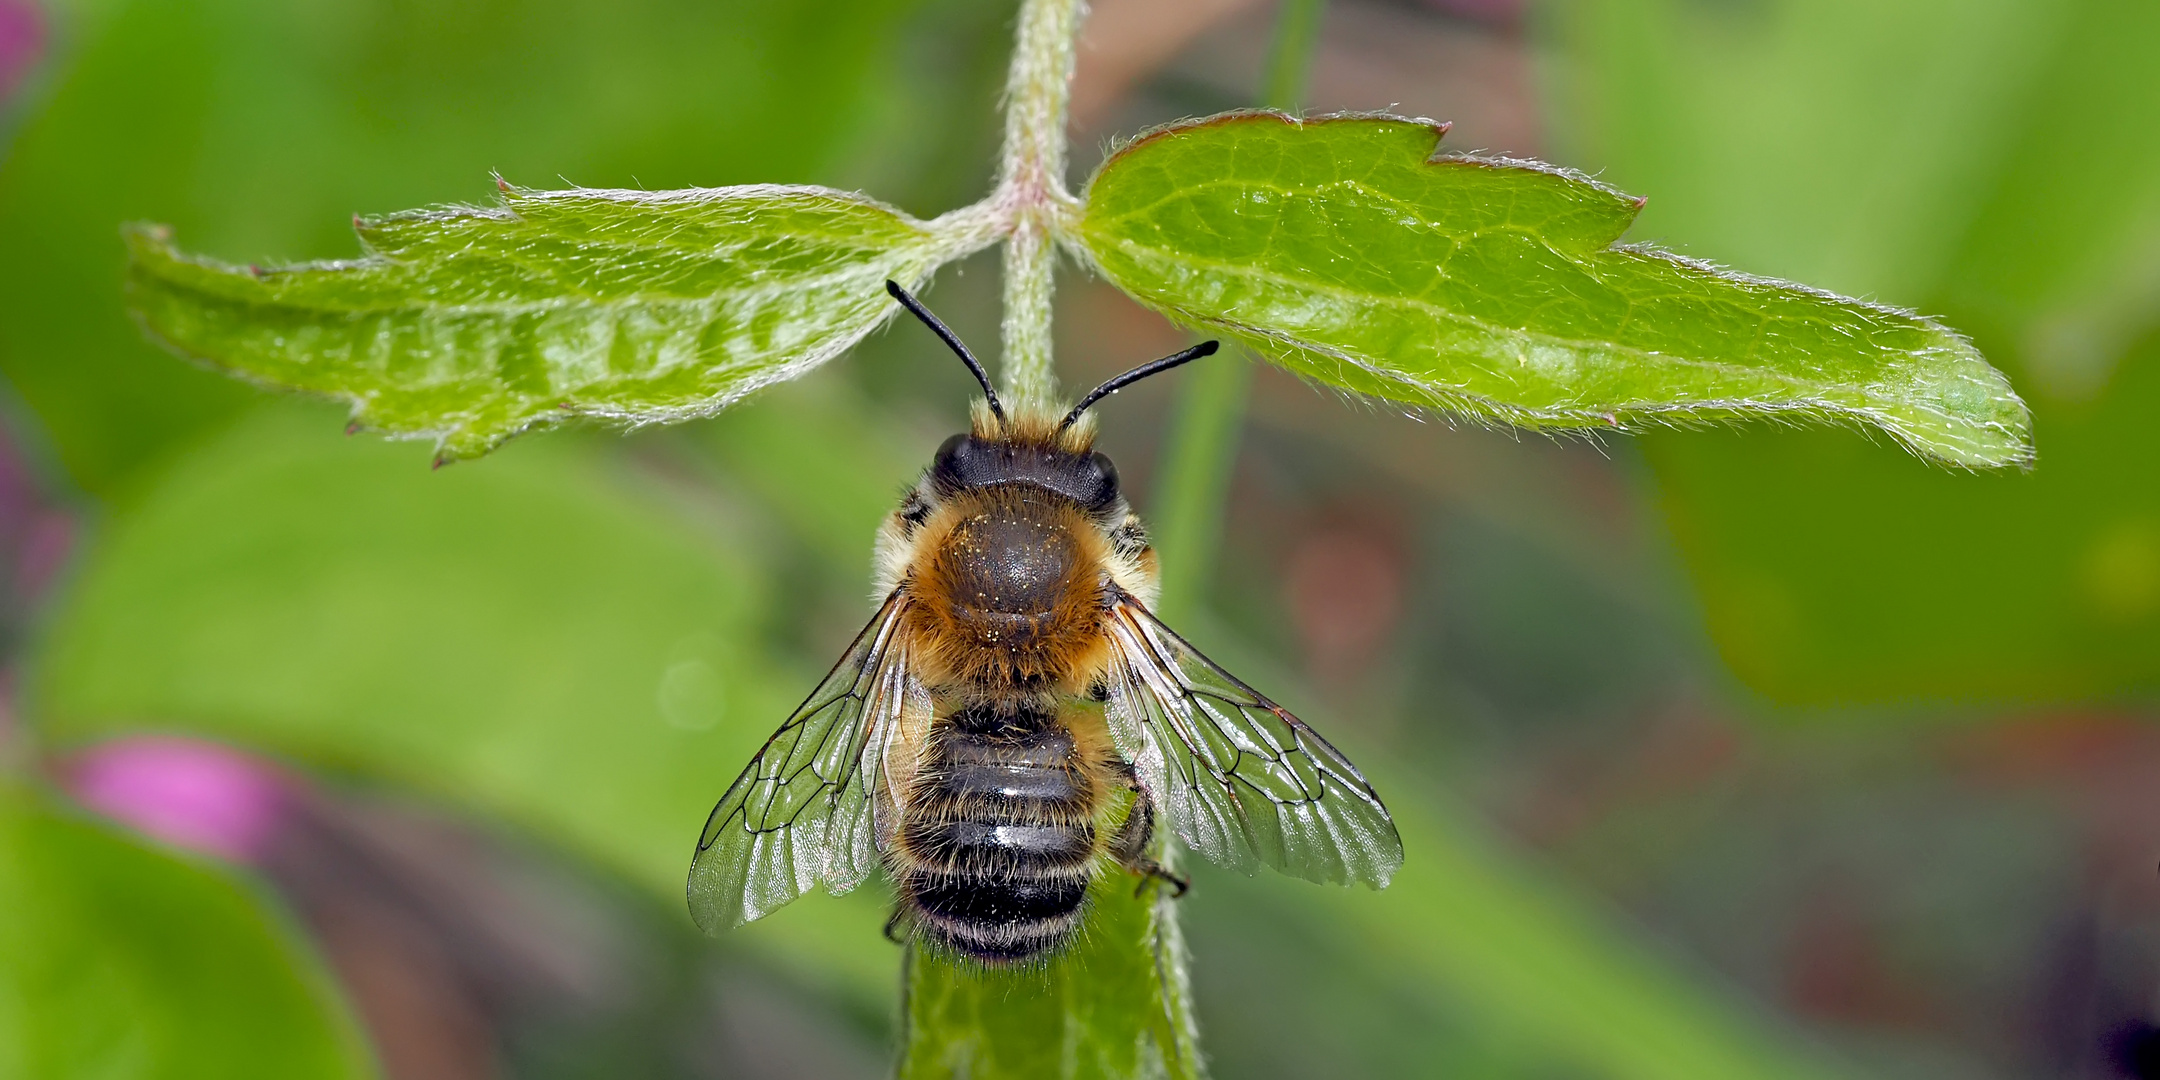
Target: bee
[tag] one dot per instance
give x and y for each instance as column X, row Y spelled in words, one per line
column 1014, row 721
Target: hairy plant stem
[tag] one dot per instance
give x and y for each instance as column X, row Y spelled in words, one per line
column 1203, row 440
column 1031, row 198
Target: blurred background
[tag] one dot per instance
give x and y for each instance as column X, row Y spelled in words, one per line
column 1754, row 752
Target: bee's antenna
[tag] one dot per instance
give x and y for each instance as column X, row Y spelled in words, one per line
column 1205, row 348
column 951, row 339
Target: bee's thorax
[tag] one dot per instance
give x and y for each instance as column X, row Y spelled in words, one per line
column 1009, row 584
column 1002, row 566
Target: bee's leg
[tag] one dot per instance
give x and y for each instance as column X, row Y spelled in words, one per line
column 1130, row 846
column 892, row 925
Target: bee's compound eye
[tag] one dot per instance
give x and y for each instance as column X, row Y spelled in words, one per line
column 950, row 448
column 1106, row 473
column 953, row 467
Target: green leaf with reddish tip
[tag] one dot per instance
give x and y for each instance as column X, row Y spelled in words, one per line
column 1344, row 249
column 469, row 325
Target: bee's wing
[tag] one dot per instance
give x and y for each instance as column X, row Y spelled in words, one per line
column 804, row 813
column 1241, row 780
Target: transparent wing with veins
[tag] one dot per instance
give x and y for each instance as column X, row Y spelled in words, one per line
column 1241, row 780
column 806, row 810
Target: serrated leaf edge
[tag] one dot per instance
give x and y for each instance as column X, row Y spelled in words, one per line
column 1490, row 412
column 948, row 237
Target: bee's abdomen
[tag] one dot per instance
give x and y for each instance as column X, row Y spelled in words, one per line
column 998, row 842
column 997, row 920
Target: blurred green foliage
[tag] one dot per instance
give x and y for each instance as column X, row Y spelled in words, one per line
column 556, row 640
column 119, row 961
column 535, row 639
column 1991, row 162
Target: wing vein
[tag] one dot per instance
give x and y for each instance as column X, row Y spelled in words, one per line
column 805, row 810
column 1238, row 777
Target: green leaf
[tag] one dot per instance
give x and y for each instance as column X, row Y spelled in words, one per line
column 257, row 128
column 471, row 325
column 118, row 961
column 1113, row 1006
column 1344, row 249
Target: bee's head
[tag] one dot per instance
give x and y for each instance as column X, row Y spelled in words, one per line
column 969, row 461
column 1031, row 446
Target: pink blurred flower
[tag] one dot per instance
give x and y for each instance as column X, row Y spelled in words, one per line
column 191, row 794
column 22, row 41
